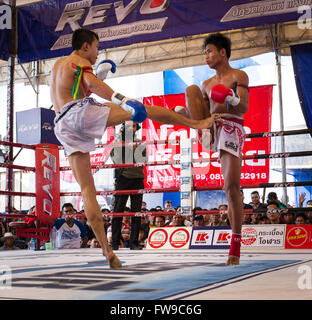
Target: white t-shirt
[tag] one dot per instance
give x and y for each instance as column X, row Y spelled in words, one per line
column 69, row 237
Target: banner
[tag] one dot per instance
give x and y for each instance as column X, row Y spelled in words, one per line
column 257, row 119
column 45, row 28
column 5, row 31
column 302, row 61
column 298, row 237
column 47, row 183
column 253, row 236
column 169, row 238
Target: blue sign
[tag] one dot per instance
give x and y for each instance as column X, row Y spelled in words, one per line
column 45, row 28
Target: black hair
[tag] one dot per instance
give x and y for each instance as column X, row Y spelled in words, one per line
column 272, row 196
column 255, row 192
column 80, row 36
column 67, row 204
column 162, row 217
column 220, row 42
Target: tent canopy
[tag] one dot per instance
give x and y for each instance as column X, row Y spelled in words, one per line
column 180, row 41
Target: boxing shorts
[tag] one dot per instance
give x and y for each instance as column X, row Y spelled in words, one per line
column 229, row 135
column 79, row 123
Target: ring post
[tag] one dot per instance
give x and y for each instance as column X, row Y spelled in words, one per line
column 186, row 176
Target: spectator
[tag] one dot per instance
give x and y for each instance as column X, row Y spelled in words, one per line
column 70, row 233
column 128, row 179
column 264, row 220
column 177, row 221
column 144, row 206
column 168, row 205
column 255, row 218
column 273, row 213
column 224, row 215
column 125, row 232
column 89, row 230
column 199, row 221
column 2, row 229
column 160, row 221
column 9, row 242
column 255, row 201
column 301, row 199
column 95, row 243
column 142, row 238
column 289, row 217
column 216, row 219
column 272, row 197
column 301, row 218
column 245, row 205
column 309, row 213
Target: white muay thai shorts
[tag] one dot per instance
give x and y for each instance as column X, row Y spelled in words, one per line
column 79, row 123
column 229, row 135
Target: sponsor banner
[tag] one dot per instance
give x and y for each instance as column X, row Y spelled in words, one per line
column 45, row 28
column 263, row 236
column 260, row 236
column 47, row 183
column 169, row 238
column 298, row 237
column 208, row 173
column 5, row 31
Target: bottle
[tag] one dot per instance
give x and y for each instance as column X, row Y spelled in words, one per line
column 53, row 238
column 32, row 244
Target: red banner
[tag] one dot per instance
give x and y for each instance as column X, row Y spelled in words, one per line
column 257, row 119
column 298, row 237
column 47, row 183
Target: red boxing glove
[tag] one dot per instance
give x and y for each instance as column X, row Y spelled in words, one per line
column 223, row 94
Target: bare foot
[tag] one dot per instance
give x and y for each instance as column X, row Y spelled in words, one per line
column 114, row 262
column 232, row 261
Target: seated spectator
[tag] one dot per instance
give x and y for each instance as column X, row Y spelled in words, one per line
column 125, row 231
column 264, row 220
column 9, row 242
column 216, row 219
column 95, row 243
column 289, row 217
column 309, row 213
column 142, row 238
column 2, row 229
column 272, row 197
column 70, row 233
column 301, row 218
column 255, row 201
column 224, row 216
column 144, row 206
column 273, row 213
column 177, row 221
column 168, row 205
column 255, row 218
column 160, row 221
column 245, row 205
column 89, row 230
column 198, row 221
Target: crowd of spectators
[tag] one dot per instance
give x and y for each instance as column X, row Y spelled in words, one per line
column 73, row 231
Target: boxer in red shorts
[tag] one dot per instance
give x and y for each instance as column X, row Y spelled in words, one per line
column 226, row 93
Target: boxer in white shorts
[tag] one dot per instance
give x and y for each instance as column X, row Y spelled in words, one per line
column 79, row 120
column 218, row 96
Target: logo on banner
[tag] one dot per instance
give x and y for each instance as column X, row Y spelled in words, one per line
column 158, row 238
column 261, row 9
column 249, row 236
column 202, row 237
column 5, row 17
column 179, row 238
column 222, row 237
column 297, row 236
column 74, row 12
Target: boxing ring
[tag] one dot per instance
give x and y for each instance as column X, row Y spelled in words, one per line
column 154, row 273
